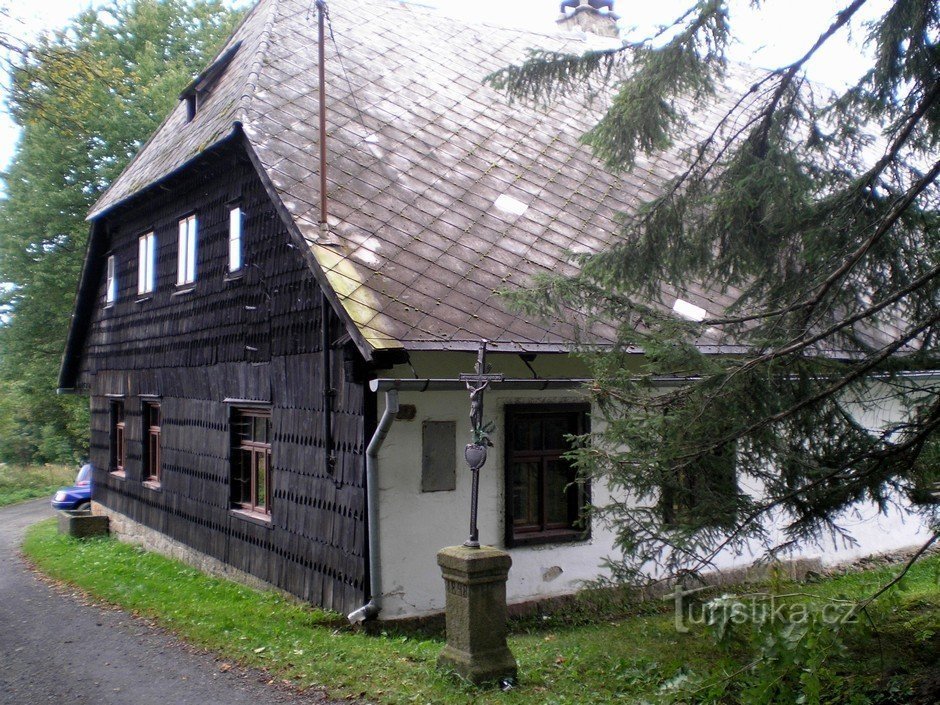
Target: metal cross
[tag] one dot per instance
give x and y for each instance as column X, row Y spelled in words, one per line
column 475, row 453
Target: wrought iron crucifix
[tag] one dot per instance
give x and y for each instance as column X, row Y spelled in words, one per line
column 475, row 452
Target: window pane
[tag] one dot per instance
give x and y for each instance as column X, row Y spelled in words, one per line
column 111, row 292
column 555, row 429
column 187, row 251
column 557, row 492
column 241, row 480
column 141, row 265
column 151, row 262
column 525, row 493
column 261, row 488
column 191, row 253
column 235, row 239
column 241, row 429
column 259, row 432
column 526, row 433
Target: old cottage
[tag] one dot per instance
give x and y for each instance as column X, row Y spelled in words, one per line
column 272, row 319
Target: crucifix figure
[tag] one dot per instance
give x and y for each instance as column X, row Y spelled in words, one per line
column 475, row 453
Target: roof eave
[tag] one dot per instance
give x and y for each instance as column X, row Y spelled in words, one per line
column 96, row 214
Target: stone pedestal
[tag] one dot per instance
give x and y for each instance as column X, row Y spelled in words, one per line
column 475, row 584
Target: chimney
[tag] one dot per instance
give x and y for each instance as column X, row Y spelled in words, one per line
column 593, row 16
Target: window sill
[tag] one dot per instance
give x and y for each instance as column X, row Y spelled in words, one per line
column 236, row 276
column 120, row 474
column 153, row 485
column 184, row 289
column 548, row 537
column 144, row 298
column 254, row 517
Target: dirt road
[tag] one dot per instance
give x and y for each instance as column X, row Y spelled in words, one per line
column 56, row 650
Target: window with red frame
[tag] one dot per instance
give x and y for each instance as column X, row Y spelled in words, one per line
column 545, row 499
column 118, row 445
column 251, row 460
column 152, row 463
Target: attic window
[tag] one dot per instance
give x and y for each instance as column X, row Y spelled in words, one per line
column 110, row 295
column 689, row 311
column 146, row 263
column 186, row 254
column 234, row 238
column 197, row 91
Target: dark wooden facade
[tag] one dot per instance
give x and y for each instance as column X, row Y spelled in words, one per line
column 254, row 337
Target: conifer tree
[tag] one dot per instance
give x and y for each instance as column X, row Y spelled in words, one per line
column 805, row 223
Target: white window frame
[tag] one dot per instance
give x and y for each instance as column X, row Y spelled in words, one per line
column 186, row 256
column 146, row 263
column 110, row 293
column 234, row 238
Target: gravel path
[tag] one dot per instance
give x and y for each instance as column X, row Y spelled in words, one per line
column 55, row 649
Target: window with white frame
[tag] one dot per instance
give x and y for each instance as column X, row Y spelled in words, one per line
column 110, row 295
column 186, row 257
column 234, row 238
column 147, row 263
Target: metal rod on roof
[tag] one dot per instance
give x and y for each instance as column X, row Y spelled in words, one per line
column 321, row 42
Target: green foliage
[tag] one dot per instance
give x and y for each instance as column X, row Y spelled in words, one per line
column 806, row 222
column 86, row 98
column 21, row 482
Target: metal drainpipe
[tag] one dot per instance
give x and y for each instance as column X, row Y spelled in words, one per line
column 326, row 349
column 371, row 609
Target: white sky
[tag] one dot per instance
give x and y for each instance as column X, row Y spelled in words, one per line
column 778, row 33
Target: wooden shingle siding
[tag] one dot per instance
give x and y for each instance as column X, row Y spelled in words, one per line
column 253, row 337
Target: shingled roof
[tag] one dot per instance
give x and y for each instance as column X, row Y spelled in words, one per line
column 441, row 193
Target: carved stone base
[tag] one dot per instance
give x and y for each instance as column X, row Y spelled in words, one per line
column 475, row 584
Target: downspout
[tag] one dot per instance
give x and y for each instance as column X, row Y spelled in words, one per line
column 371, row 609
column 391, row 387
column 328, row 391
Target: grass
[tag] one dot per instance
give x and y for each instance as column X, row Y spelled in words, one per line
column 626, row 659
column 19, row 483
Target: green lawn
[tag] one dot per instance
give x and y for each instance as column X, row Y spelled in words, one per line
column 19, row 483
column 630, row 659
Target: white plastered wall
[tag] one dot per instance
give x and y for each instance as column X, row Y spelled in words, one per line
column 872, row 531
column 414, row 525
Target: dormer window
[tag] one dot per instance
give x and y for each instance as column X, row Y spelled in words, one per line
column 190, row 106
column 196, row 92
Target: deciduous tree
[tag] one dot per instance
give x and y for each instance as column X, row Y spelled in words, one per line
column 85, row 98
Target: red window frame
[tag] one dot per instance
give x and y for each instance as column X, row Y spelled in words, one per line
column 251, row 460
column 534, row 468
column 118, row 438
column 152, row 421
